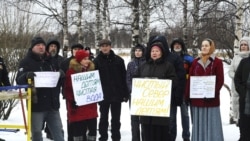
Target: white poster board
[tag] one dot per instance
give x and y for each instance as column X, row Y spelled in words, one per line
column 46, row 79
column 151, row 97
column 202, row 86
column 87, row 87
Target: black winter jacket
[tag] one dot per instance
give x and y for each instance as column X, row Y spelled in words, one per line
column 48, row 98
column 113, row 77
column 159, row 69
column 176, row 61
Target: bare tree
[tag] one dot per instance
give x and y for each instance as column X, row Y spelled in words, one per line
column 79, row 23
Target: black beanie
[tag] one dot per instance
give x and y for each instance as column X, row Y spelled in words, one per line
column 37, row 40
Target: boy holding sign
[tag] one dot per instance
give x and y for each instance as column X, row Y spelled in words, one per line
column 81, row 117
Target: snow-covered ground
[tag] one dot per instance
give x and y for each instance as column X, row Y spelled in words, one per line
column 231, row 132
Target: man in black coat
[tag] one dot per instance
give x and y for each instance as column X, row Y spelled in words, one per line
column 53, row 48
column 45, row 101
column 113, row 79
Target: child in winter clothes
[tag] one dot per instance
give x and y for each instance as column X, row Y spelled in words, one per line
column 83, row 117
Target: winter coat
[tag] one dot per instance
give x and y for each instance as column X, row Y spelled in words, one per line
column 214, row 67
column 48, row 98
column 65, row 64
column 4, row 78
column 240, row 81
column 231, row 72
column 131, row 70
column 77, row 113
column 186, row 58
column 176, row 61
column 57, row 59
column 113, row 77
column 159, row 69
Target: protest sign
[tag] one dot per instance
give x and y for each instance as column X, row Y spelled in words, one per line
column 202, row 86
column 46, row 79
column 151, row 97
column 87, row 87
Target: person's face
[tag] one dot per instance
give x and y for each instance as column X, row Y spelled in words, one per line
column 85, row 62
column 155, row 53
column 205, row 47
column 244, row 46
column 138, row 53
column 39, row 49
column 74, row 50
column 105, row 48
column 53, row 49
column 177, row 47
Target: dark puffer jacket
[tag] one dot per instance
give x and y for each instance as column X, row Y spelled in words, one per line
column 113, row 77
column 48, row 98
column 4, row 78
column 176, row 61
column 159, row 69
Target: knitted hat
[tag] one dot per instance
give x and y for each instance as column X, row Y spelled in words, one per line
column 81, row 54
column 37, row 40
column 77, row 46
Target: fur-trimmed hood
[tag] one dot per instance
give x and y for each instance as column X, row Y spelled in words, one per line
column 77, row 67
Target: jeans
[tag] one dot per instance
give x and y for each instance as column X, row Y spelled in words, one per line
column 115, row 108
column 53, row 120
column 184, row 121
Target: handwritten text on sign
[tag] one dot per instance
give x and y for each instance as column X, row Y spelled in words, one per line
column 151, row 97
column 87, row 87
column 202, row 86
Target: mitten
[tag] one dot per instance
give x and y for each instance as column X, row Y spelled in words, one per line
column 30, row 75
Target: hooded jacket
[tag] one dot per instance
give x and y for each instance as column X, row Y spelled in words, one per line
column 157, row 69
column 176, row 61
column 186, row 58
column 133, row 65
column 57, row 59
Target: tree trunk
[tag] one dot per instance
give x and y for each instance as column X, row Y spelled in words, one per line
column 196, row 9
column 135, row 23
column 145, row 20
column 65, row 28
column 98, row 35
column 185, row 26
column 79, row 23
column 238, row 25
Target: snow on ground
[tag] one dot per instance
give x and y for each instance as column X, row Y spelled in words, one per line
column 231, row 132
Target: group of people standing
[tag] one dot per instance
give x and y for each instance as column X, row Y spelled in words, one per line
column 156, row 61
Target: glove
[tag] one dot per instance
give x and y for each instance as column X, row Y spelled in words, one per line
column 30, row 75
column 62, row 74
column 73, row 105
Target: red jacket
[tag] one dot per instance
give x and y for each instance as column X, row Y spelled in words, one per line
column 81, row 112
column 215, row 67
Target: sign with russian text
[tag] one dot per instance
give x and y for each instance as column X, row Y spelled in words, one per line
column 87, row 87
column 46, row 79
column 202, row 86
column 151, row 97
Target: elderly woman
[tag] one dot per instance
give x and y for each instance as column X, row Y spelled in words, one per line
column 156, row 128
